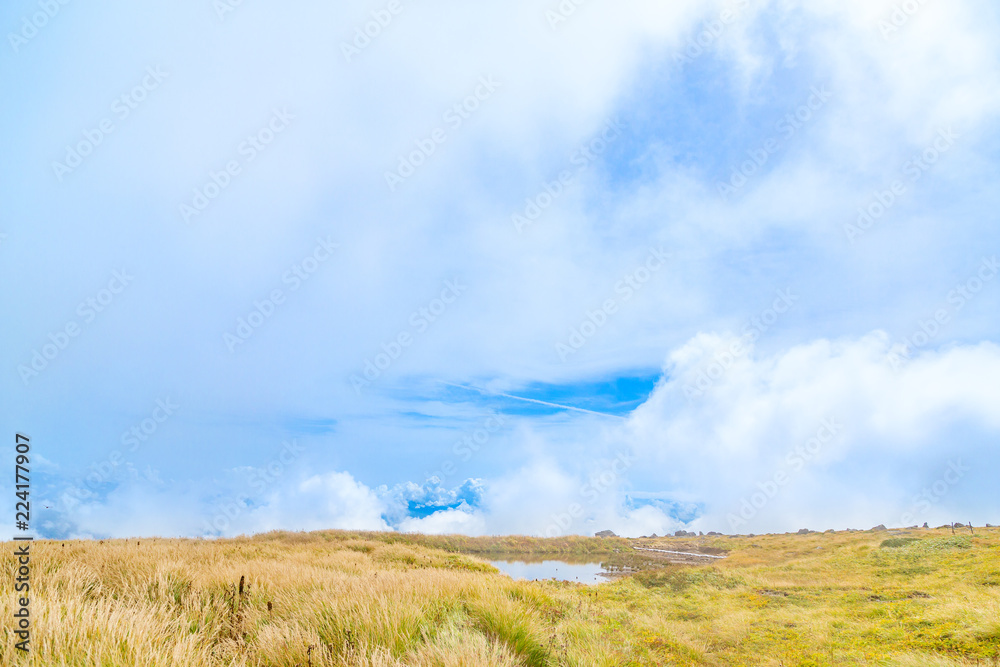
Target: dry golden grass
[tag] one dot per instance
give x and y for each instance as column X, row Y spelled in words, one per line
column 337, row 598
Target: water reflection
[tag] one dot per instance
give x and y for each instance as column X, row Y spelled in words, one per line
column 584, row 573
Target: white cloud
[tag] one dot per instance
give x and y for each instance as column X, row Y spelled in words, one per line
column 330, row 500
column 461, row 520
column 853, row 437
column 638, row 522
column 333, row 500
column 891, row 93
column 823, row 434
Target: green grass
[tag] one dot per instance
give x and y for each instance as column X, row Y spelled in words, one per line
column 896, row 599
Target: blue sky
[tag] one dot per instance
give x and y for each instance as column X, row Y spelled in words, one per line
column 500, row 273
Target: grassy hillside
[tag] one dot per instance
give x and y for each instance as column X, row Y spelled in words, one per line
column 486, row 546
column 334, row 598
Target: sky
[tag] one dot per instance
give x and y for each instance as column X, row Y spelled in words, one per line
column 528, row 267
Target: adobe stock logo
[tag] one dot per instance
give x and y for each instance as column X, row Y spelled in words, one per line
column 882, row 201
column 420, row 321
column 796, row 459
column 712, row 30
column 381, row 19
column 596, row 486
column 260, row 479
column 264, row 309
column 930, row 496
column 900, row 16
column 957, row 299
column 626, row 288
column 250, row 148
column 122, row 107
column 104, row 471
column 467, row 446
column 87, row 311
column 562, row 12
column 582, row 159
column 725, row 359
column 455, row 117
column 30, row 28
column 788, row 125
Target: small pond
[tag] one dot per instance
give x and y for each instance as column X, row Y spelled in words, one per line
column 584, row 573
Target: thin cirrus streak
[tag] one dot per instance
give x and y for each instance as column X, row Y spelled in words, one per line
column 530, row 400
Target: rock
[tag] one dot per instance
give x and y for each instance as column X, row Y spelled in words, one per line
column 879, row 527
column 605, row 533
column 684, row 533
column 766, row 591
column 653, row 536
column 712, row 532
column 925, row 525
column 803, row 531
